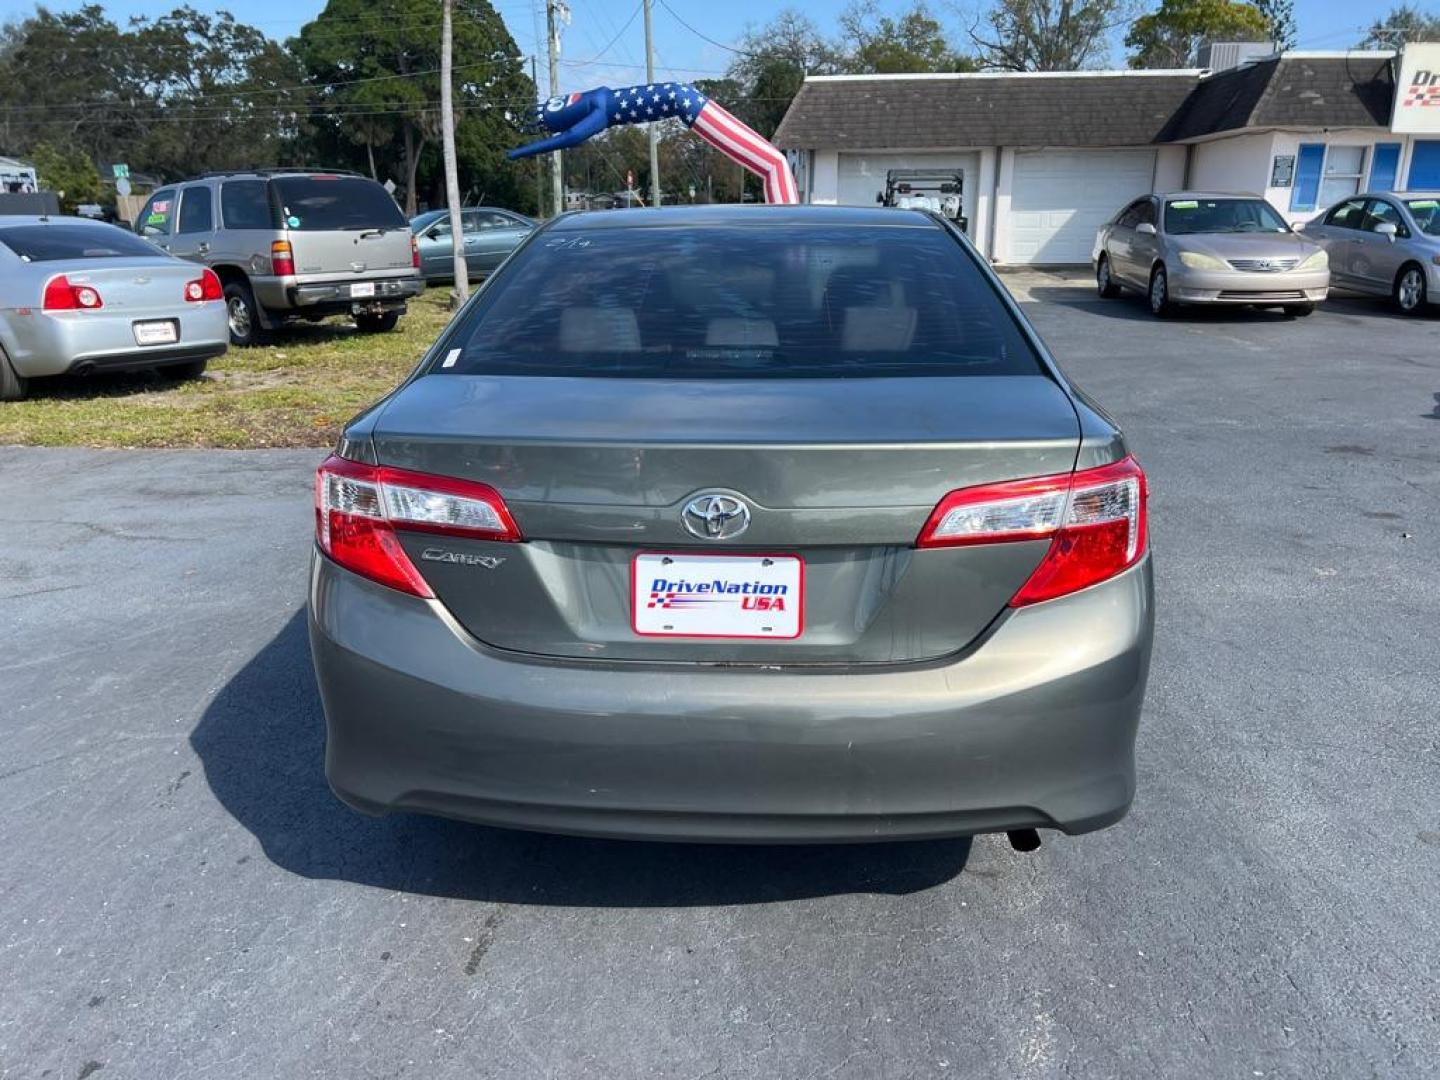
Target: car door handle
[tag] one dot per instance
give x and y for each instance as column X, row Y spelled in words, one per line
column 203, row 248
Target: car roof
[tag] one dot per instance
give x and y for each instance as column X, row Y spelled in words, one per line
column 736, row 214
column 1402, row 194
column 48, row 219
column 1210, row 195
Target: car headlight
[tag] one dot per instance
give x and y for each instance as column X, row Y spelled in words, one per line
column 1197, row 260
column 1319, row 261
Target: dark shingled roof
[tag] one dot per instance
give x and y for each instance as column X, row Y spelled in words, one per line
column 1088, row 110
column 989, row 110
column 1289, row 91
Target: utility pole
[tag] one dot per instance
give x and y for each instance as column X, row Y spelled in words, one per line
column 447, row 133
column 539, row 168
column 555, row 13
column 654, row 136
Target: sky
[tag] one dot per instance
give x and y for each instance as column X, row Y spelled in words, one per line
column 605, row 42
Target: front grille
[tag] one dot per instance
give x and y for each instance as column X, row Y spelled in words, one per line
column 1265, row 266
column 1257, row 297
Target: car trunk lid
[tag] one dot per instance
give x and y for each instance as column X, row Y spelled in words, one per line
column 840, row 474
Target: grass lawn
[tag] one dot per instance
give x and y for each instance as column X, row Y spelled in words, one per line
column 297, row 391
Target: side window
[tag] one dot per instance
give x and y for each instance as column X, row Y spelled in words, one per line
column 1131, row 216
column 440, row 228
column 245, row 204
column 491, row 220
column 197, row 210
column 1147, row 213
column 1378, row 211
column 1348, row 215
column 158, row 215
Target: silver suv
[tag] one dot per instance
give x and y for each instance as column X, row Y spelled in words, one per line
column 291, row 244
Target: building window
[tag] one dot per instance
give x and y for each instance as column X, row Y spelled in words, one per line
column 1344, row 169
column 1384, row 166
column 1308, row 165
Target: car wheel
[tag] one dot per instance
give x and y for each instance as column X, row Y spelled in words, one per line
column 1160, row 302
column 377, row 324
column 12, row 385
column 191, row 369
column 1299, row 311
column 243, row 314
column 1103, row 281
column 1409, row 292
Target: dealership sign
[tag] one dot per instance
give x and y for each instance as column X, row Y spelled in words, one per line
column 1417, row 92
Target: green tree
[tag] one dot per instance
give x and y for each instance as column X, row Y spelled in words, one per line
column 771, row 63
column 375, row 68
column 1046, row 35
column 912, row 42
column 1402, row 24
column 1279, row 21
column 68, row 171
column 1171, row 36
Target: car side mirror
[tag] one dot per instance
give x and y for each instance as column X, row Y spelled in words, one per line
column 1387, row 229
column 1145, row 229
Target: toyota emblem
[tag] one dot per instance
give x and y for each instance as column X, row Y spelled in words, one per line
column 715, row 517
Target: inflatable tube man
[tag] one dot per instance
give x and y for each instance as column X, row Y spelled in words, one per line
column 575, row 118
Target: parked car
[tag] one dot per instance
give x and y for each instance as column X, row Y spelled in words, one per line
column 1200, row 248
column 78, row 296
column 489, row 234
column 736, row 523
column 291, row 244
column 1386, row 244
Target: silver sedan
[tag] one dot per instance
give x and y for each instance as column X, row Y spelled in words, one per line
column 78, row 296
column 1385, row 244
column 1198, row 248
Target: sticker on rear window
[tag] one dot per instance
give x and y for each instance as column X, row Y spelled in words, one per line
column 1185, row 204
column 1424, row 204
column 293, row 221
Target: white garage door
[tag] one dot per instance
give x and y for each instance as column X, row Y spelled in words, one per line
column 862, row 176
column 1061, row 198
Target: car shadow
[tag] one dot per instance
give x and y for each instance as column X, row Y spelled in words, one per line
column 261, row 744
column 103, row 384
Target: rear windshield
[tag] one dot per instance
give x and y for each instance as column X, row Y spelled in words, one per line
column 740, row 301
column 51, row 243
column 1187, row 216
column 318, row 203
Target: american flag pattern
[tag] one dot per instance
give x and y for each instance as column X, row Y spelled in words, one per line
column 576, row 117
column 1424, row 96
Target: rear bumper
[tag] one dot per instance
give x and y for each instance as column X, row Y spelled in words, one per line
column 1033, row 728
column 282, row 294
column 81, row 340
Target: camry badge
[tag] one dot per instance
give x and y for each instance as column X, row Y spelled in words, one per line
column 715, row 516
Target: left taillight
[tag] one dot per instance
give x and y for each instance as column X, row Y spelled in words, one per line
column 1095, row 520
column 205, row 287
column 359, row 509
column 414, row 252
column 63, row 295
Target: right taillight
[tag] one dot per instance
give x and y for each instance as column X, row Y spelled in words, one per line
column 1094, row 519
column 359, row 507
column 414, row 252
column 282, row 258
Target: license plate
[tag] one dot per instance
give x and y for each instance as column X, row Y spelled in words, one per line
column 165, row 332
column 365, row 289
column 717, row 596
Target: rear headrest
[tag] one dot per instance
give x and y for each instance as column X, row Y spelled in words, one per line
column 878, row 329
column 741, row 334
column 599, row 329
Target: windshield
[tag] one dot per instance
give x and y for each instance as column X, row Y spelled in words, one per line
column 1186, row 216
column 52, row 243
column 740, row 301
column 320, row 202
column 1426, row 213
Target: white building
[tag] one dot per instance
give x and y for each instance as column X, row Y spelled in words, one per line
column 1049, row 157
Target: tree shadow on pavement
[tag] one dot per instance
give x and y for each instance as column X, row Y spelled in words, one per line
column 261, row 742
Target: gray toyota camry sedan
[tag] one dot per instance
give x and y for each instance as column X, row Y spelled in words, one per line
column 736, row 524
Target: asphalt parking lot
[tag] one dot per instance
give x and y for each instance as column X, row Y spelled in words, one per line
column 180, row 896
